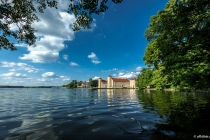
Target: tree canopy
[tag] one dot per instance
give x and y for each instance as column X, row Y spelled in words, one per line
column 179, row 40
column 92, row 83
column 23, row 13
column 144, row 78
column 73, row 84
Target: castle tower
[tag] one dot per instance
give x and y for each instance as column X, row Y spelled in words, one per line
column 133, row 83
column 99, row 82
column 109, row 82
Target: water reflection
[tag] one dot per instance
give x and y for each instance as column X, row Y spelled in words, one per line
column 182, row 115
column 63, row 113
column 91, row 114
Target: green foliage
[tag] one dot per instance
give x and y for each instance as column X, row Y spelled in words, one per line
column 153, row 77
column 23, row 13
column 73, row 84
column 92, row 83
column 159, row 80
column 179, row 40
column 83, row 11
column 79, row 83
column 144, row 78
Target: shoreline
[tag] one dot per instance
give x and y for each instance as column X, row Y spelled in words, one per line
column 170, row 89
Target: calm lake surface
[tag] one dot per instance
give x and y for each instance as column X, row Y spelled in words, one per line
column 58, row 114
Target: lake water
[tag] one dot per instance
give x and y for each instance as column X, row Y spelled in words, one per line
column 58, row 114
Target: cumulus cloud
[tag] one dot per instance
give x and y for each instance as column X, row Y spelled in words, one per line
column 64, row 78
column 18, row 66
column 73, row 64
column 94, row 58
column 65, row 57
column 121, row 73
column 49, row 75
column 53, row 29
column 95, row 78
column 127, row 75
column 138, row 68
column 137, row 73
column 52, row 75
column 14, row 74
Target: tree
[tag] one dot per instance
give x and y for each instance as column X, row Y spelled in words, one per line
column 92, row 83
column 144, row 78
column 23, row 13
column 80, row 83
column 179, row 40
column 158, row 79
column 73, row 84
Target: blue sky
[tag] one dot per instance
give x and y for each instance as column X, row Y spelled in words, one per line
column 114, row 46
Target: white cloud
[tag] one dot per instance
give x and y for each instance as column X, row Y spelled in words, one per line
column 94, row 58
column 18, row 66
column 138, row 68
column 66, row 79
column 137, row 73
column 52, row 75
column 14, row 74
column 95, row 78
column 128, row 74
column 49, row 78
column 49, row 75
column 73, row 64
column 114, row 74
column 7, row 64
column 12, row 70
column 95, row 61
column 53, row 29
column 114, row 69
column 20, row 45
column 65, row 57
column 121, row 73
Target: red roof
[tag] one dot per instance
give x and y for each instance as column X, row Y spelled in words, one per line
column 104, row 81
column 133, row 79
column 120, row 80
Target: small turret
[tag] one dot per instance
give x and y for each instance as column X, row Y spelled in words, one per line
column 99, row 82
column 109, row 84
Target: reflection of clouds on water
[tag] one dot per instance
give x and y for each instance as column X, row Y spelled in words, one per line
column 96, row 129
column 67, row 111
column 33, row 129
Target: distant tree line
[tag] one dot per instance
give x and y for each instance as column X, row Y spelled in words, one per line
column 178, row 52
column 75, row 83
column 7, row 86
column 72, row 84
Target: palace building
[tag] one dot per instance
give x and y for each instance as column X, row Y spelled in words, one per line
column 116, row 83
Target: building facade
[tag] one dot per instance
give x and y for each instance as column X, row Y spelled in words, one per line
column 116, row 83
